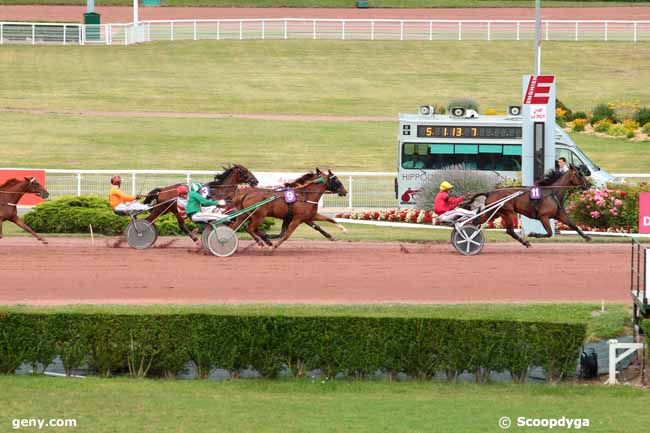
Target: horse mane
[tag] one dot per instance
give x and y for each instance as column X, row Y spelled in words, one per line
column 302, row 179
column 10, row 182
column 549, row 178
column 220, row 178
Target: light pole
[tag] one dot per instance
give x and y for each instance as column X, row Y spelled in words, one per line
column 538, row 40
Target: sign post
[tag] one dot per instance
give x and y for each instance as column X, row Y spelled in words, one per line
column 538, row 135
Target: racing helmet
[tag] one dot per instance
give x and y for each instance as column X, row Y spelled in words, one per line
column 182, row 190
column 116, row 180
column 444, row 186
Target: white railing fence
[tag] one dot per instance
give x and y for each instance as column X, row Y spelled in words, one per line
column 365, row 189
column 304, row 28
column 374, row 189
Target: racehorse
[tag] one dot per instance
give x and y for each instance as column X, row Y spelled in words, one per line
column 222, row 188
column 554, row 189
column 303, row 210
column 318, row 217
column 10, row 194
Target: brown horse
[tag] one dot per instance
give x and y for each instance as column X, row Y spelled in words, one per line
column 554, row 188
column 10, row 194
column 303, row 210
column 318, row 217
column 223, row 187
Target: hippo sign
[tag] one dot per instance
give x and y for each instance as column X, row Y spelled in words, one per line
column 644, row 212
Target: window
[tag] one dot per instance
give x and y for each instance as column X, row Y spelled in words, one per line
column 491, row 157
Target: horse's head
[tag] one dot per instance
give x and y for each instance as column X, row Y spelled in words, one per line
column 579, row 176
column 235, row 175
column 34, row 187
column 333, row 183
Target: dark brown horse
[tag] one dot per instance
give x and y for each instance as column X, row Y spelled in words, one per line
column 318, row 217
column 303, row 210
column 223, row 187
column 10, row 194
column 554, row 188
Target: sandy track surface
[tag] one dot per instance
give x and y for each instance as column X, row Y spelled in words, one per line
column 73, row 271
column 118, row 14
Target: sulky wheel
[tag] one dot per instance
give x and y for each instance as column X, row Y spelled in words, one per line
column 204, row 236
column 141, row 234
column 468, row 240
column 222, row 241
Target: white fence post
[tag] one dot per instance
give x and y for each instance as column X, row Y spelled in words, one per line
column 64, row 31
column 343, row 30
column 78, row 184
column 606, row 30
column 401, row 30
column 489, row 35
column 372, row 30
column 313, row 30
column 188, row 178
column 194, row 30
column 171, row 29
column 460, row 30
column 430, row 30
column 2, row 36
column 350, row 192
column 547, row 30
column 133, row 183
column 518, row 30
column 107, row 33
column 241, row 29
column 576, row 30
column 33, row 34
column 614, row 359
column 634, row 32
column 263, row 29
column 218, row 30
column 285, row 29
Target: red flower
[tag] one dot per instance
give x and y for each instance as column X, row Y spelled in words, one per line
column 623, row 194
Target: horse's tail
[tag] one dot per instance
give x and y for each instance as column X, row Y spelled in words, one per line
column 475, row 201
column 152, row 196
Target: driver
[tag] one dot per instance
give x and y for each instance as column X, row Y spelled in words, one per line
column 446, row 206
column 197, row 199
column 121, row 201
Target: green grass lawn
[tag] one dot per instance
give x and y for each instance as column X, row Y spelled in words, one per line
column 613, row 322
column 313, row 77
column 123, row 405
column 86, row 142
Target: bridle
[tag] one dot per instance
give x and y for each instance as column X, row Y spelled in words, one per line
column 39, row 193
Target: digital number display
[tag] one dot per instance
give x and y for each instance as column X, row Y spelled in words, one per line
column 435, row 131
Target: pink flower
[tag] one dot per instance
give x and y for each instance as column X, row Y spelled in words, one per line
column 618, row 202
column 595, row 214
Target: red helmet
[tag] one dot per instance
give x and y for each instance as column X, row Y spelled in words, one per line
column 116, row 180
column 182, row 190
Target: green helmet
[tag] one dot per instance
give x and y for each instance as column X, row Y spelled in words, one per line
column 195, row 187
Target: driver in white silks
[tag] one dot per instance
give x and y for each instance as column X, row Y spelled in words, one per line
column 200, row 208
column 446, row 206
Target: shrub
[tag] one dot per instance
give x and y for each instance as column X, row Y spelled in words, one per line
column 467, row 103
column 617, row 130
column 562, row 110
column 465, row 183
column 646, row 128
column 579, row 124
column 70, row 214
column 154, row 344
column 602, row 125
column 561, row 121
column 603, row 112
column 630, row 124
column 579, row 115
column 624, row 110
column 643, row 116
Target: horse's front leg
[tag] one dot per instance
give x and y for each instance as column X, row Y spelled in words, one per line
column 509, row 220
column 547, row 226
column 292, row 227
column 320, row 230
column 564, row 218
column 27, row 228
column 320, row 217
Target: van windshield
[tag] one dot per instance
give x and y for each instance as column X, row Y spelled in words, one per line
column 586, row 159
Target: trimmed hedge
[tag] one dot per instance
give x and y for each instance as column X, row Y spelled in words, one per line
column 162, row 344
column 72, row 214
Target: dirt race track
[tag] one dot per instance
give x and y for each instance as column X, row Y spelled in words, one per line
column 70, row 271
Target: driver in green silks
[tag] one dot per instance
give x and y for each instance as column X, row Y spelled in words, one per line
column 200, row 208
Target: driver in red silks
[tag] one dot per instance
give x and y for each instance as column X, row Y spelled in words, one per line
column 446, row 206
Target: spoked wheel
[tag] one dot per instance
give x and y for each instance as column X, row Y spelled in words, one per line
column 222, row 241
column 141, row 234
column 468, row 240
column 204, row 236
